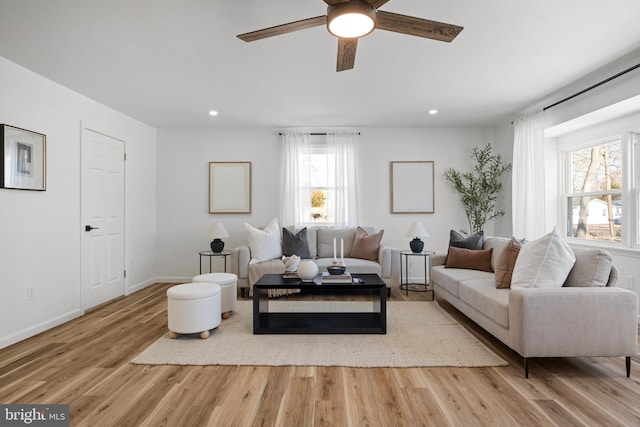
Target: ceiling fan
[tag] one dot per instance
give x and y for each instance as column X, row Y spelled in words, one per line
column 350, row 19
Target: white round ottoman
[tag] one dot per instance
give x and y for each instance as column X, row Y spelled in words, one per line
column 228, row 284
column 193, row 308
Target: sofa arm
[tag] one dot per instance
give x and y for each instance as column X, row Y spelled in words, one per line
column 240, row 258
column 573, row 322
column 384, row 258
column 437, row 259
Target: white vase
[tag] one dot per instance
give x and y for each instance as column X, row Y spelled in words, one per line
column 307, row 270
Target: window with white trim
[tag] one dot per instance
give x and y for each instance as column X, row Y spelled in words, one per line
column 319, row 179
column 602, row 190
column 320, row 168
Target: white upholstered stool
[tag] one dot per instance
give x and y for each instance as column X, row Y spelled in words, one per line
column 228, row 284
column 193, row 308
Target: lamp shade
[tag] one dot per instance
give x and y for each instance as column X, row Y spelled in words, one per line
column 217, row 231
column 417, row 229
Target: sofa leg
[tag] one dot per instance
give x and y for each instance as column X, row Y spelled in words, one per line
column 627, row 361
column 526, row 367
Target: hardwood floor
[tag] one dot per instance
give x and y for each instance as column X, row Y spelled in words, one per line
column 85, row 363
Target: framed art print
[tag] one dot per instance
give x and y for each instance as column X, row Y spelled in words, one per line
column 24, row 157
column 412, row 187
column 229, row 187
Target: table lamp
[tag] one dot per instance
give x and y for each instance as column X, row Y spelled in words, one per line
column 217, row 232
column 417, row 230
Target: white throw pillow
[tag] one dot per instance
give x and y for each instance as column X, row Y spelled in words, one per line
column 264, row 244
column 543, row 263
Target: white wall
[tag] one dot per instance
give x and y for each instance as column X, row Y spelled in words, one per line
column 183, row 156
column 40, row 231
column 503, row 142
column 183, row 191
column 577, row 114
column 447, row 147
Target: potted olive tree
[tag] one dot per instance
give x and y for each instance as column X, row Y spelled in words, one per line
column 479, row 188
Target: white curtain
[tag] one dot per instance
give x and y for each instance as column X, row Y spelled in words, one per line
column 341, row 179
column 344, row 207
column 296, row 193
column 528, row 195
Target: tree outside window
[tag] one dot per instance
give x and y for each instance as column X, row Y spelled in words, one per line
column 319, row 205
column 319, row 188
column 594, row 202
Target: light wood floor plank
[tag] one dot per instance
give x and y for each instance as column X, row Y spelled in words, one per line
column 86, row 363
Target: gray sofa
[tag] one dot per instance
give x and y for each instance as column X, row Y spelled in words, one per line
column 543, row 322
column 321, row 250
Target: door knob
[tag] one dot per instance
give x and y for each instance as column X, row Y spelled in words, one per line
column 89, row 228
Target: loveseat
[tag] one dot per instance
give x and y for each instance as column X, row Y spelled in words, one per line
column 587, row 317
column 320, row 244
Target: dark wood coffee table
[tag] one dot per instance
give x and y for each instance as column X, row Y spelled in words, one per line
column 373, row 322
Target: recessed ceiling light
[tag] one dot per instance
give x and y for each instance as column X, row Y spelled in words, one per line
column 433, row 112
column 213, row 113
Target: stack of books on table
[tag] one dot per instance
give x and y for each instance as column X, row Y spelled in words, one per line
column 337, row 278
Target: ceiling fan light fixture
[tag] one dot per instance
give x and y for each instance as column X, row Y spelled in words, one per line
column 351, row 20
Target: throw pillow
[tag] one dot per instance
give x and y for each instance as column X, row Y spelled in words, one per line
column 592, row 268
column 498, row 244
column 543, row 263
column 295, row 244
column 457, row 240
column 505, row 263
column 264, row 244
column 479, row 259
column 366, row 246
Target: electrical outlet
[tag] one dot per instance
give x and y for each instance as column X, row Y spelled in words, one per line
column 31, row 293
column 630, row 283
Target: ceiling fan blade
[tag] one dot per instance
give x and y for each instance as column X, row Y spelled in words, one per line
column 377, row 3
column 416, row 26
column 332, row 2
column 284, row 28
column 346, row 53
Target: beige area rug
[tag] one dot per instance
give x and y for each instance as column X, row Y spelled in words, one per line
column 419, row 334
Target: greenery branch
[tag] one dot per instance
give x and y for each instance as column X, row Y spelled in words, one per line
column 479, row 188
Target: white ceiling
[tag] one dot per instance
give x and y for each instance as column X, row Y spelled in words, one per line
column 168, row 62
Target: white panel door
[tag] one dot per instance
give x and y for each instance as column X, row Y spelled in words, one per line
column 102, row 231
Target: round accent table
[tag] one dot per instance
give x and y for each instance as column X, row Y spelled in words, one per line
column 211, row 255
column 405, row 283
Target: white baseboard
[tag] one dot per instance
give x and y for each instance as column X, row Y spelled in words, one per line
column 41, row 327
column 56, row 321
column 139, row 286
column 173, row 279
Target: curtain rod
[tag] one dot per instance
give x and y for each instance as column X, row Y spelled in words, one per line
column 621, row 73
column 314, row 133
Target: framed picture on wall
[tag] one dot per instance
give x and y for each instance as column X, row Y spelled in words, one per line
column 24, row 157
column 229, row 187
column 412, row 187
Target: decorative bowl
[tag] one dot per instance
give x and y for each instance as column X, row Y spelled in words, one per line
column 336, row 269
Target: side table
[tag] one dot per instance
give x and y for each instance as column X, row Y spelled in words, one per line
column 211, row 254
column 405, row 284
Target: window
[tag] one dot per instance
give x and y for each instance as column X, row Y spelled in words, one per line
column 601, row 197
column 595, row 197
column 319, row 179
column 316, row 210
